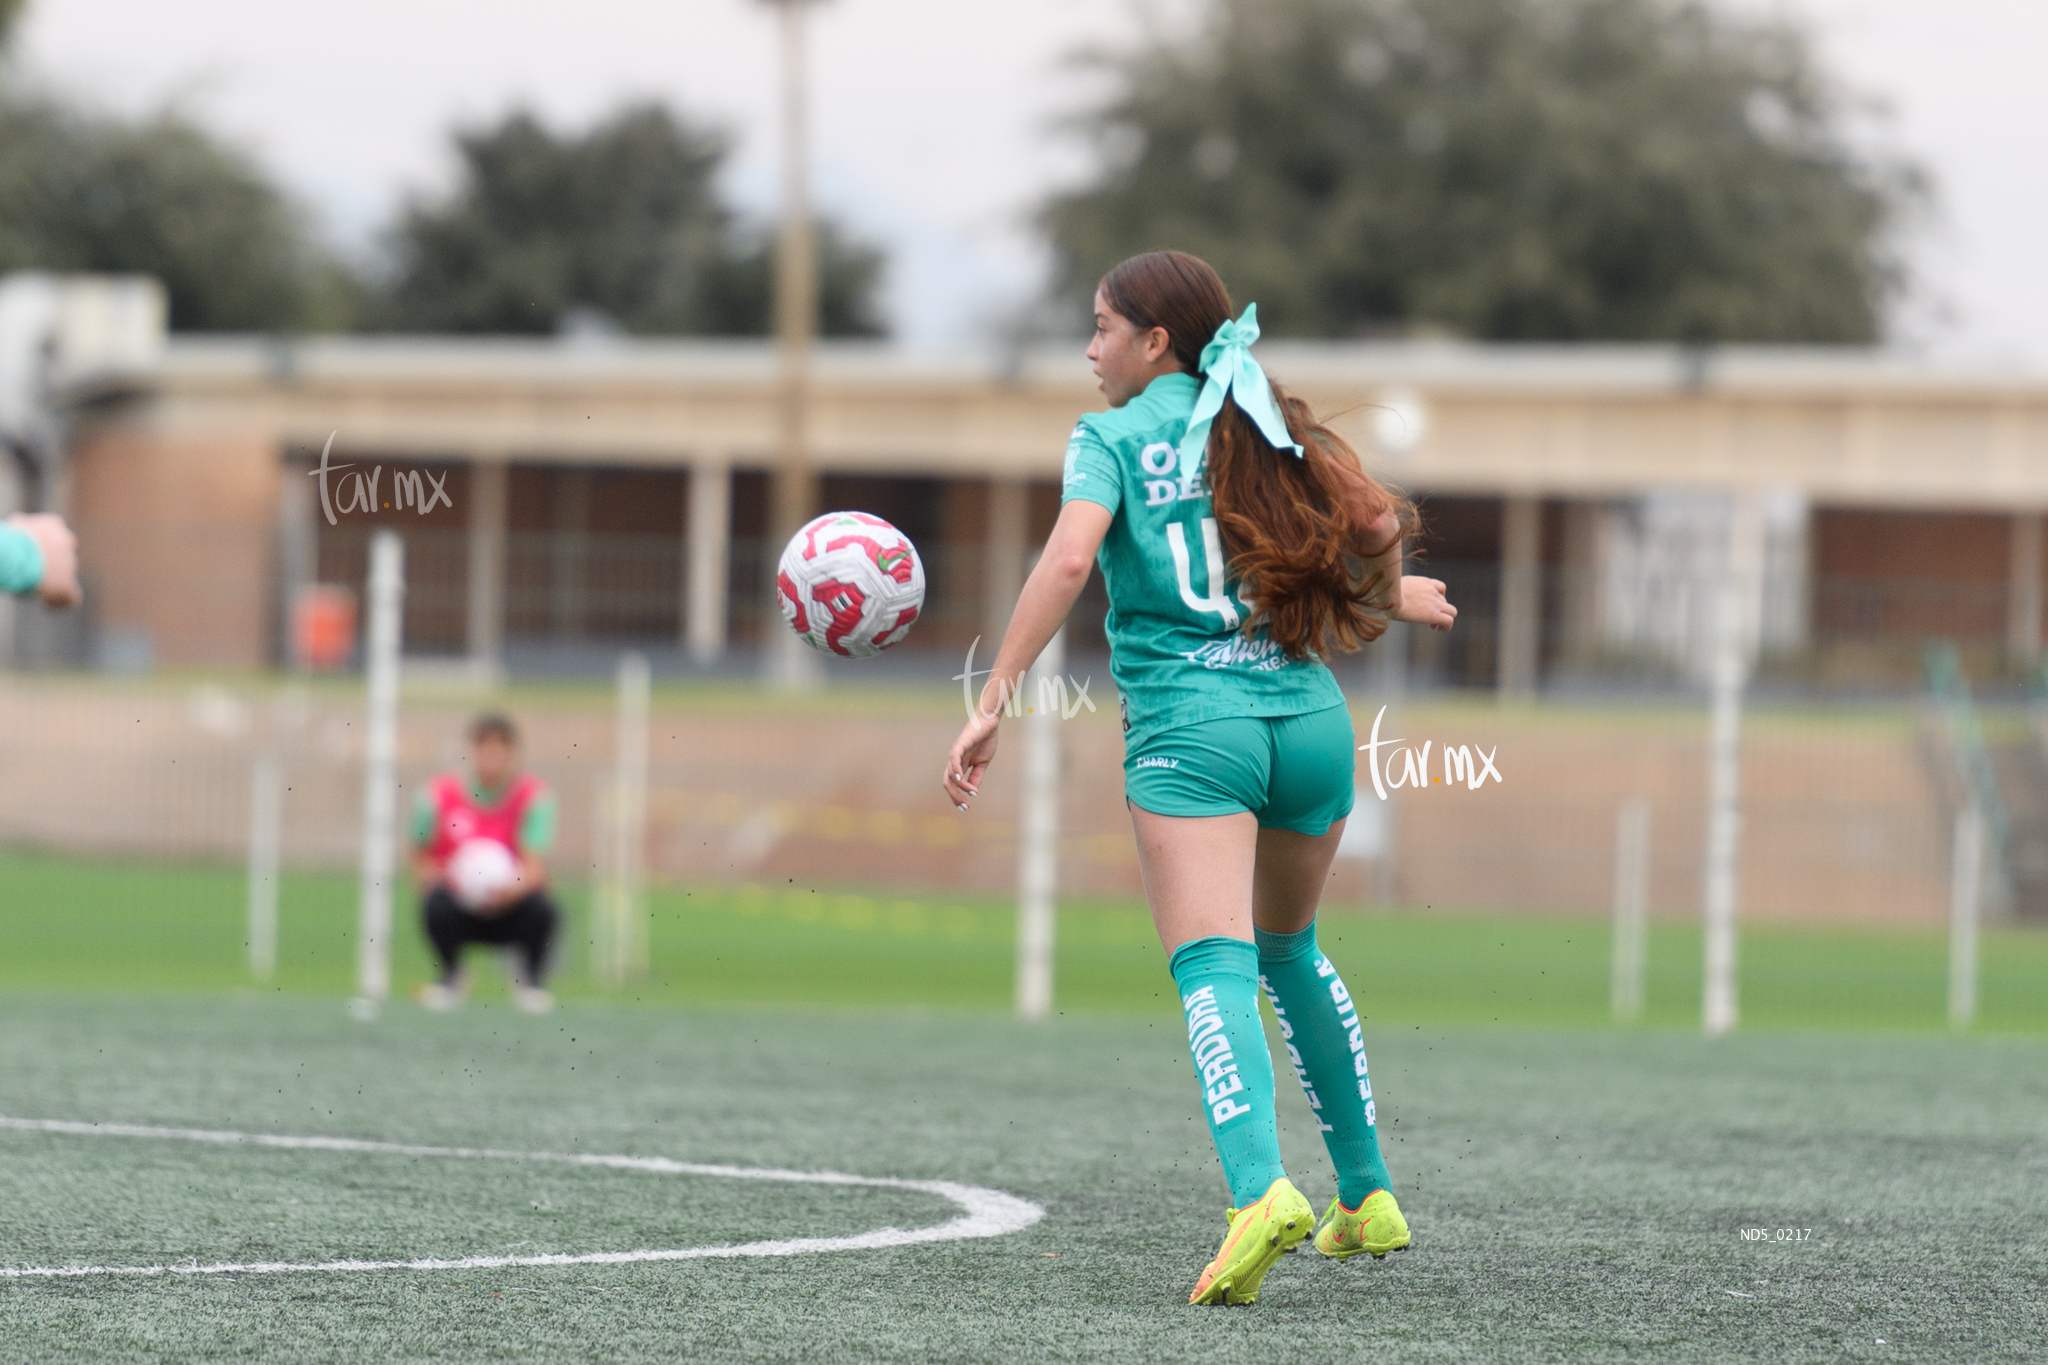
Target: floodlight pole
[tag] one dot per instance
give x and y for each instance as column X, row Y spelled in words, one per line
column 791, row 664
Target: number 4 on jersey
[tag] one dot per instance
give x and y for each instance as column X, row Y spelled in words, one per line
column 1218, row 598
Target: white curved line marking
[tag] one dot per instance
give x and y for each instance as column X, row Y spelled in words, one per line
column 985, row 1212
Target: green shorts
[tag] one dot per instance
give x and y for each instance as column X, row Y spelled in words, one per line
column 1292, row 772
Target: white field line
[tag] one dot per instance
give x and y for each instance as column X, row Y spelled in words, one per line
column 984, row 1212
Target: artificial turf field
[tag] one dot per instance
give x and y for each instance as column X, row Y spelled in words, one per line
column 1576, row 1195
column 1578, row 1192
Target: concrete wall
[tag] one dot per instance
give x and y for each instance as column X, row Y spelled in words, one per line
column 1843, row 820
column 177, row 538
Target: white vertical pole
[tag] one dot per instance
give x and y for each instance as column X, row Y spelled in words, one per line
column 604, row 879
column 1003, row 553
column 1724, row 823
column 2023, row 598
column 1521, row 596
column 1038, row 846
column 1965, row 899
column 705, row 591
column 380, row 773
column 1734, row 626
column 1631, row 907
column 627, row 936
column 266, row 799
column 489, row 496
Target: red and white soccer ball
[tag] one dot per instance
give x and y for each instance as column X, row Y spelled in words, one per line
column 850, row 584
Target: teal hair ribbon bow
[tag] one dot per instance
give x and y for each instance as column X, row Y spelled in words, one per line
column 1231, row 372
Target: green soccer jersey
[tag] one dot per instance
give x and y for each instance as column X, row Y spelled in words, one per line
column 1177, row 649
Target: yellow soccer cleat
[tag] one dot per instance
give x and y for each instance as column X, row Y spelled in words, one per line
column 1376, row 1226
column 1259, row 1236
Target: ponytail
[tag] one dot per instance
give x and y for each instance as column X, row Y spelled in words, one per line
column 1294, row 524
column 1295, row 531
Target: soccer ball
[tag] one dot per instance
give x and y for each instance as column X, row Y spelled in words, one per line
column 480, row 870
column 850, row 584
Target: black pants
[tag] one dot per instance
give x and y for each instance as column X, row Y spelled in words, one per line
column 529, row 922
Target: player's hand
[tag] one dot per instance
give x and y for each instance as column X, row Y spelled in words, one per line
column 971, row 755
column 59, row 587
column 505, row 897
column 1423, row 604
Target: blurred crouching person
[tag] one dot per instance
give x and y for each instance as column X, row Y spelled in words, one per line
column 479, row 840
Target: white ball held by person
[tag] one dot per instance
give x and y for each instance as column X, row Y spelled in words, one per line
column 481, row 872
column 850, row 584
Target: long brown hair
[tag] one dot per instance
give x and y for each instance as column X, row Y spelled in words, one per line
column 1293, row 529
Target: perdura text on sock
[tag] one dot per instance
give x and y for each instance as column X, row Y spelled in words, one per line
column 1213, row 1057
column 1294, row 1054
column 1347, row 1015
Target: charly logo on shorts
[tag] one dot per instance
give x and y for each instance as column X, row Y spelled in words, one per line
column 1469, row 764
column 1155, row 761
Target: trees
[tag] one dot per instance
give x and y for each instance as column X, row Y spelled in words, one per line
column 624, row 219
column 1503, row 169
column 162, row 198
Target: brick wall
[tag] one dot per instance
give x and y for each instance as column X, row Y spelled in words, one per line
column 176, row 535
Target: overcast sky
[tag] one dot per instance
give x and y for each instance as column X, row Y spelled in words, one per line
column 933, row 117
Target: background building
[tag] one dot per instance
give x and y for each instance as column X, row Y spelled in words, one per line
column 1580, row 500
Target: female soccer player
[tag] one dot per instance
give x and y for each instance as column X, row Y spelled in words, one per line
column 1242, row 544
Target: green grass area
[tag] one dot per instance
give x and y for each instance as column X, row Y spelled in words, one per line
column 73, row 925
column 1576, row 1195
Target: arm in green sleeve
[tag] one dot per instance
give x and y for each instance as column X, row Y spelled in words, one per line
column 21, row 561
column 537, row 826
column 422, row 824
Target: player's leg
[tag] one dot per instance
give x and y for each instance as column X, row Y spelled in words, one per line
column 1318, row 1017
column 1197, row 876
column 1196, row 846
column 1311, row 792
column 449, row 927
column 532, row 923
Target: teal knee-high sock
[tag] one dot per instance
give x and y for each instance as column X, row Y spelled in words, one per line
column 1320, row 1023
column 1218, row 981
